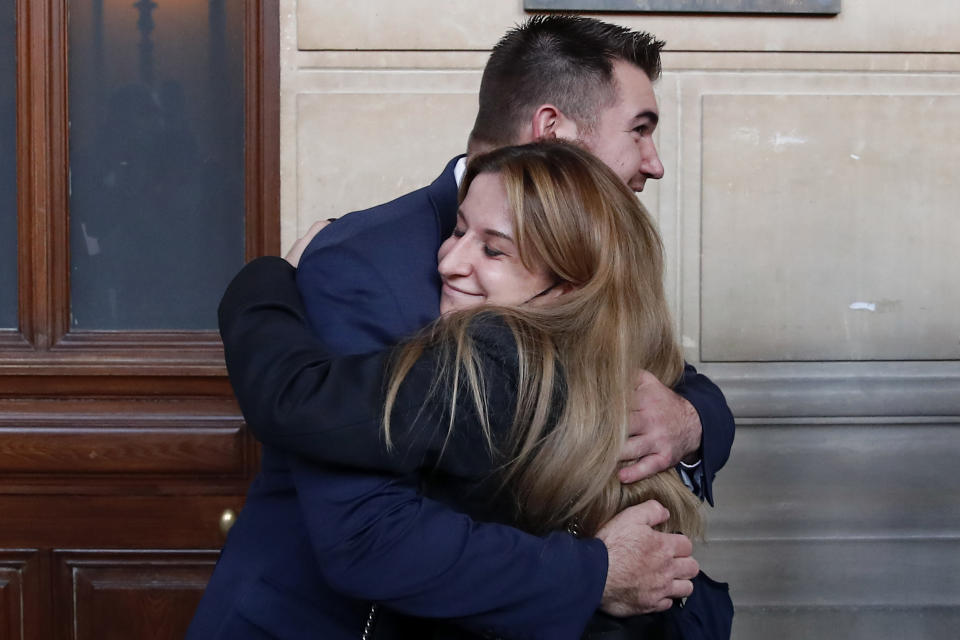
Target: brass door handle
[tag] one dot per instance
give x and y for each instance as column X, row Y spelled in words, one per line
column 227, row 518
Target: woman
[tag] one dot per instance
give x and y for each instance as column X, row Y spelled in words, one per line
column 552, row 295
column 551, row 247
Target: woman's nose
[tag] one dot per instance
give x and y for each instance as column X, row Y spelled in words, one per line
column 454, row 257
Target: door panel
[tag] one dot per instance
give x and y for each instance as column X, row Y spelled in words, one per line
column 113, row 595
column 21, row 593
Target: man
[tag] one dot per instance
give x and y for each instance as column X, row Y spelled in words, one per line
column 542, row 80
column 370, row 279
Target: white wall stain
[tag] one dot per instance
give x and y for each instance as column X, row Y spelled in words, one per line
column 879, row 306
column 854, row 156
column 781, row 140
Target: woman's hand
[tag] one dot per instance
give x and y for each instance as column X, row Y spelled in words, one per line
column 296, row 251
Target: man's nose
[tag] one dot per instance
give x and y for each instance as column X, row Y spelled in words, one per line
column 652, row 167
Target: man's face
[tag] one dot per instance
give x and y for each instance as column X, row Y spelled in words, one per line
column 623, row 134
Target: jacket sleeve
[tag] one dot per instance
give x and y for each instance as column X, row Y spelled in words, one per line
column 716, row 420
column 375, row 536
column 377, row 539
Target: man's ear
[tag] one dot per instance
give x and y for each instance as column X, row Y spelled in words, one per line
column 549, row 122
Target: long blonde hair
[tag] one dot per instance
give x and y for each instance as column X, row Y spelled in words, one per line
column 581, row 351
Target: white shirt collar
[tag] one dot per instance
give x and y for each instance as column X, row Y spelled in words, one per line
column 459, row 170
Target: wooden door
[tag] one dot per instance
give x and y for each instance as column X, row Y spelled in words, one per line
column 122, row 451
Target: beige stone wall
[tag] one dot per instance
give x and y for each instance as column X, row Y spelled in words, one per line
column 811, row 213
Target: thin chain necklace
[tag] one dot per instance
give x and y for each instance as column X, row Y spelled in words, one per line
column 368, row 625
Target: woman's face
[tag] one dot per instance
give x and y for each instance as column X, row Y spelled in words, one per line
column 479, row 263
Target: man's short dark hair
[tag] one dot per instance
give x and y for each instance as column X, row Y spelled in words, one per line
column 562, row 60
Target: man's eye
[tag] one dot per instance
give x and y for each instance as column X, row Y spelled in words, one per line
column 491, row 253
column 642, row 130
column 458, row 233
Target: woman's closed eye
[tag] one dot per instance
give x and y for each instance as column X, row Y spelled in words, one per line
column 490, row 252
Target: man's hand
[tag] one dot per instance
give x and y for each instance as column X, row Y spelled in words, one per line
column 664, row 429
column 296, row 251
column 647, row 569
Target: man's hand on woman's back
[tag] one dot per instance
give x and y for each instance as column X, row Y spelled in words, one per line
column 664, row 429
column 646, row 569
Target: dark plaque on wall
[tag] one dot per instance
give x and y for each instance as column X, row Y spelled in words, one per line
column 814, row 7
